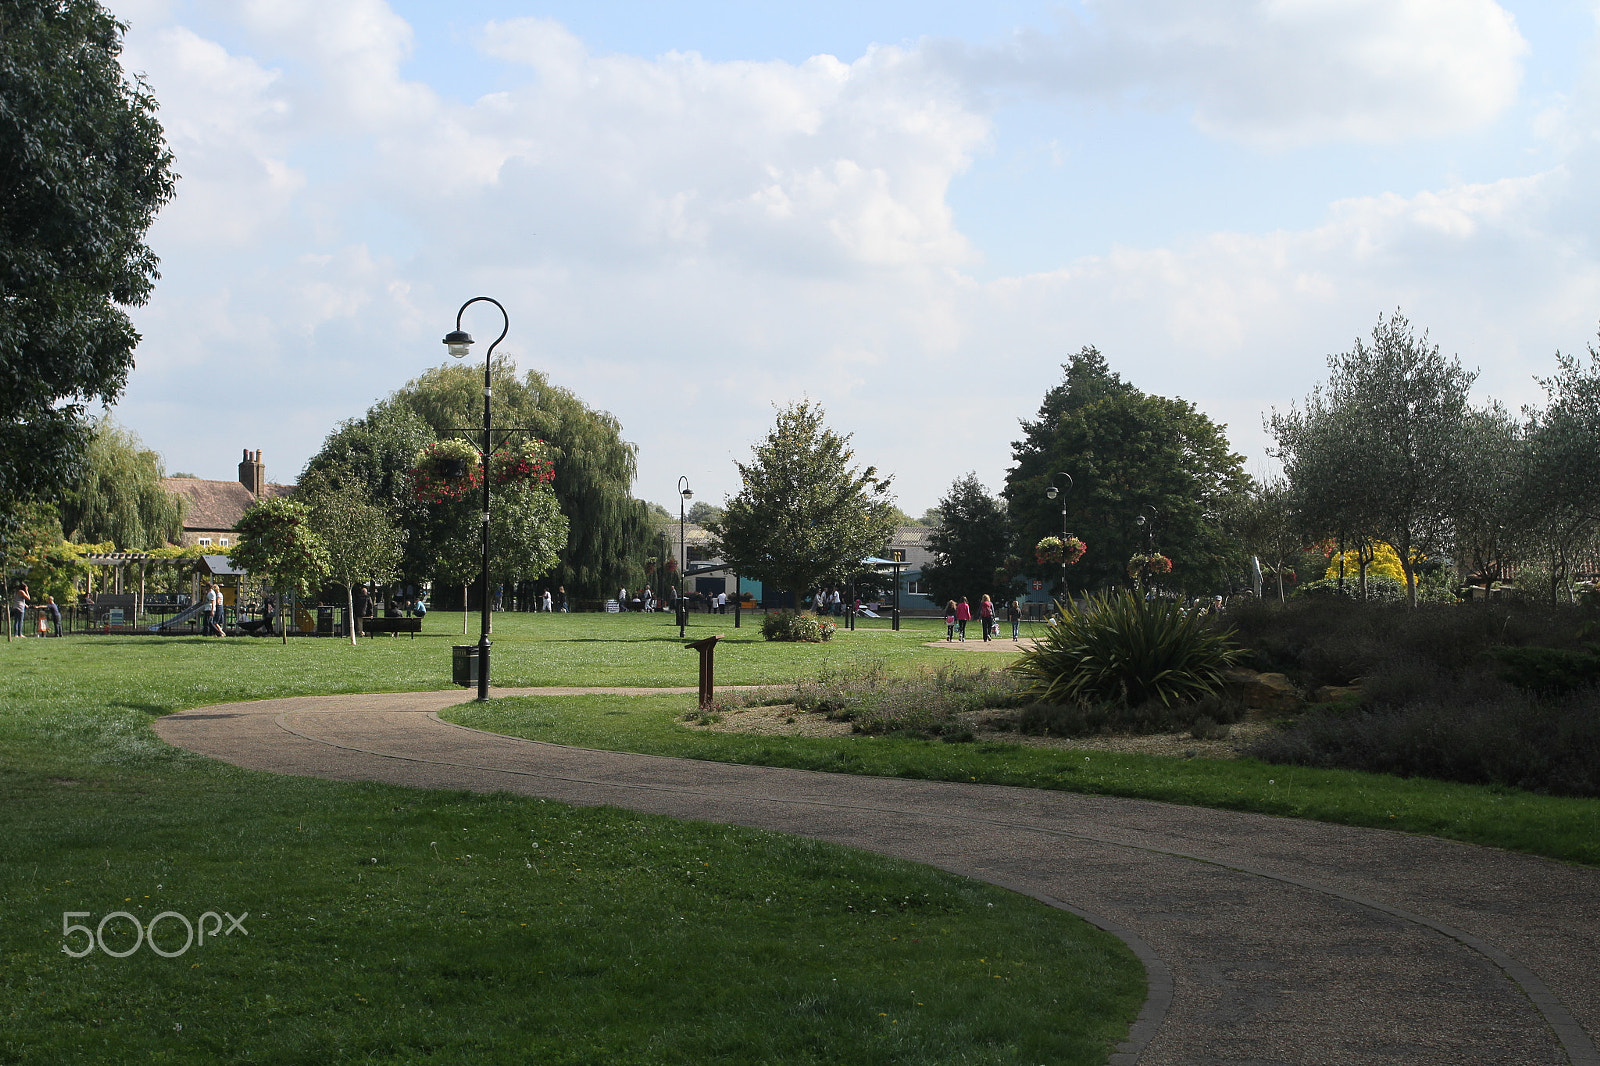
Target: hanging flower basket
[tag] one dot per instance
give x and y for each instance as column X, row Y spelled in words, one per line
column 1055, row 551
column 449, row 470
column 520, row 464
column 1149, row 565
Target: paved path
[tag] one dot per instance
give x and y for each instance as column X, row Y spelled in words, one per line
column 1267, row 940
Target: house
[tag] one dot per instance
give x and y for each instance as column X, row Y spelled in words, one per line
column 213, row 508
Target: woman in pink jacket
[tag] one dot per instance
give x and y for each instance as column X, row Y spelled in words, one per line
column 963, row 616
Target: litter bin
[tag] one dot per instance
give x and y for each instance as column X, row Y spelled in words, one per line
column 464, row 664
column 324, row 621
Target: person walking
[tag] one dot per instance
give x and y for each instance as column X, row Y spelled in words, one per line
column 950, row 621
column 561, row 599
column 19, row 610
column 986, row 617
column 363, row 606
column 549, row 603
column 1014, row 616
column 963, row 616
column 208, row 615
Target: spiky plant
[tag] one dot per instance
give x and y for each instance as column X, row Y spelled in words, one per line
column 1123, row 649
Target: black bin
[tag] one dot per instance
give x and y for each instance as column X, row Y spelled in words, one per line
column 324, row 621
column 464, row 664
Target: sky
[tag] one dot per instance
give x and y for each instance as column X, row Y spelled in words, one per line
column 909, row 213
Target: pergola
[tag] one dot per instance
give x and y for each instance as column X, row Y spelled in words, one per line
column 119, row 560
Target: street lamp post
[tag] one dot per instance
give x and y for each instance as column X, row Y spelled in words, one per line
column 458, row 343
column 1148, row 516
column 1056, row 492
column 684, row 495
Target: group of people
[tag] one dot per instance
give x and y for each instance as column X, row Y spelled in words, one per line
column 49, row 612
column 957, row 615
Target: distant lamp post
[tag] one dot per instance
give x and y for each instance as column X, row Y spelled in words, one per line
column 685, row 494
column 459, row 343
column 1057, row 492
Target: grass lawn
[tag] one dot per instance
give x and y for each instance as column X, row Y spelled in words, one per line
column 394, row 925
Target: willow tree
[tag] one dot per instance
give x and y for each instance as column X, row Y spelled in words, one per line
column 609, row 531
column 118, row 495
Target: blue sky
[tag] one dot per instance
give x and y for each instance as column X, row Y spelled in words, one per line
column 910, row 213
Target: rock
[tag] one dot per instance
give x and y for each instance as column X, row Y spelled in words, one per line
column 1261, row 692
column 1334, row 693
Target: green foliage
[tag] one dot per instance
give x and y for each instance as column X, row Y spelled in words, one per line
column 118, row 495
column 1563, row 462
column 805, row 516
column 971, row 547
column 278, row 543
column 801, row 627
column 363, row 543
column 607, row 536
column 1379, row 453
column 1549, row 671
column 83, row 170
column 1125, row 451
column 1123, row 649
column 1381, row 588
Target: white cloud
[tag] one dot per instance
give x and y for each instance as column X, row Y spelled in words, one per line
column 685, row 242
column 1274, row 72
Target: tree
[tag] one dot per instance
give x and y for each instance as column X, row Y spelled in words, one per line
column 277, row 544
column 118, row 495
column 610, row 532
column 362, row 541
column 805, row 515
column 83, row 171
column 971, row 546
column 526, row 534
column 1265, row 522
column 1126, row 451
column 1379, row 448
column 1493, row 518
column 1563, row 464
column 701, row 513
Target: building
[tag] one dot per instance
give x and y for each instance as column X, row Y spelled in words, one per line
column 213, row 508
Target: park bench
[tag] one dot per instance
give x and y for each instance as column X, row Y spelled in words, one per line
column 373, row 626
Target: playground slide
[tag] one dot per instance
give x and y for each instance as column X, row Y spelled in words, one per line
column 870, row 614
column 182, row 616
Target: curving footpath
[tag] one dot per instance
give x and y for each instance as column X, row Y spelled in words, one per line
column 1266, row 940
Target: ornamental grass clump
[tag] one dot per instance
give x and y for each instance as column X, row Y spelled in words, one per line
column 1126, row 650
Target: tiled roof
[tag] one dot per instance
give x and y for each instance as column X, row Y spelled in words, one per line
column 216, row 506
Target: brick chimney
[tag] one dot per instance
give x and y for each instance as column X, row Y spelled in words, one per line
column 252, row 472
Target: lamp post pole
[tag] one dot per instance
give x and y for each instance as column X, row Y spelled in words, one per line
column 458, row 342
column 1057, row 492
column 684, row 494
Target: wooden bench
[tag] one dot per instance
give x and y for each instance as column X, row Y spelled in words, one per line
column 373, row 626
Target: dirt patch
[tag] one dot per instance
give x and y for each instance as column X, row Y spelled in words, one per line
column 979, row 644
column 787, row 720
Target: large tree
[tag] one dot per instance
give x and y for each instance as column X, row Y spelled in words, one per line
column 805, row 515
column 971, row 546
column 1127, row 453
column 118, row 495
column 1379, row 449
column 83, row 170
column 610, row 531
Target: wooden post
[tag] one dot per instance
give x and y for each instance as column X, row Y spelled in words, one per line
column 707, row 648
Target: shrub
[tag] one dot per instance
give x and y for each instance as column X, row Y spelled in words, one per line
column 1471, row 692
column 1089, row 719
column 1549, row 671
column 796, row 626
column 1128, row 651
column 927, row 704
